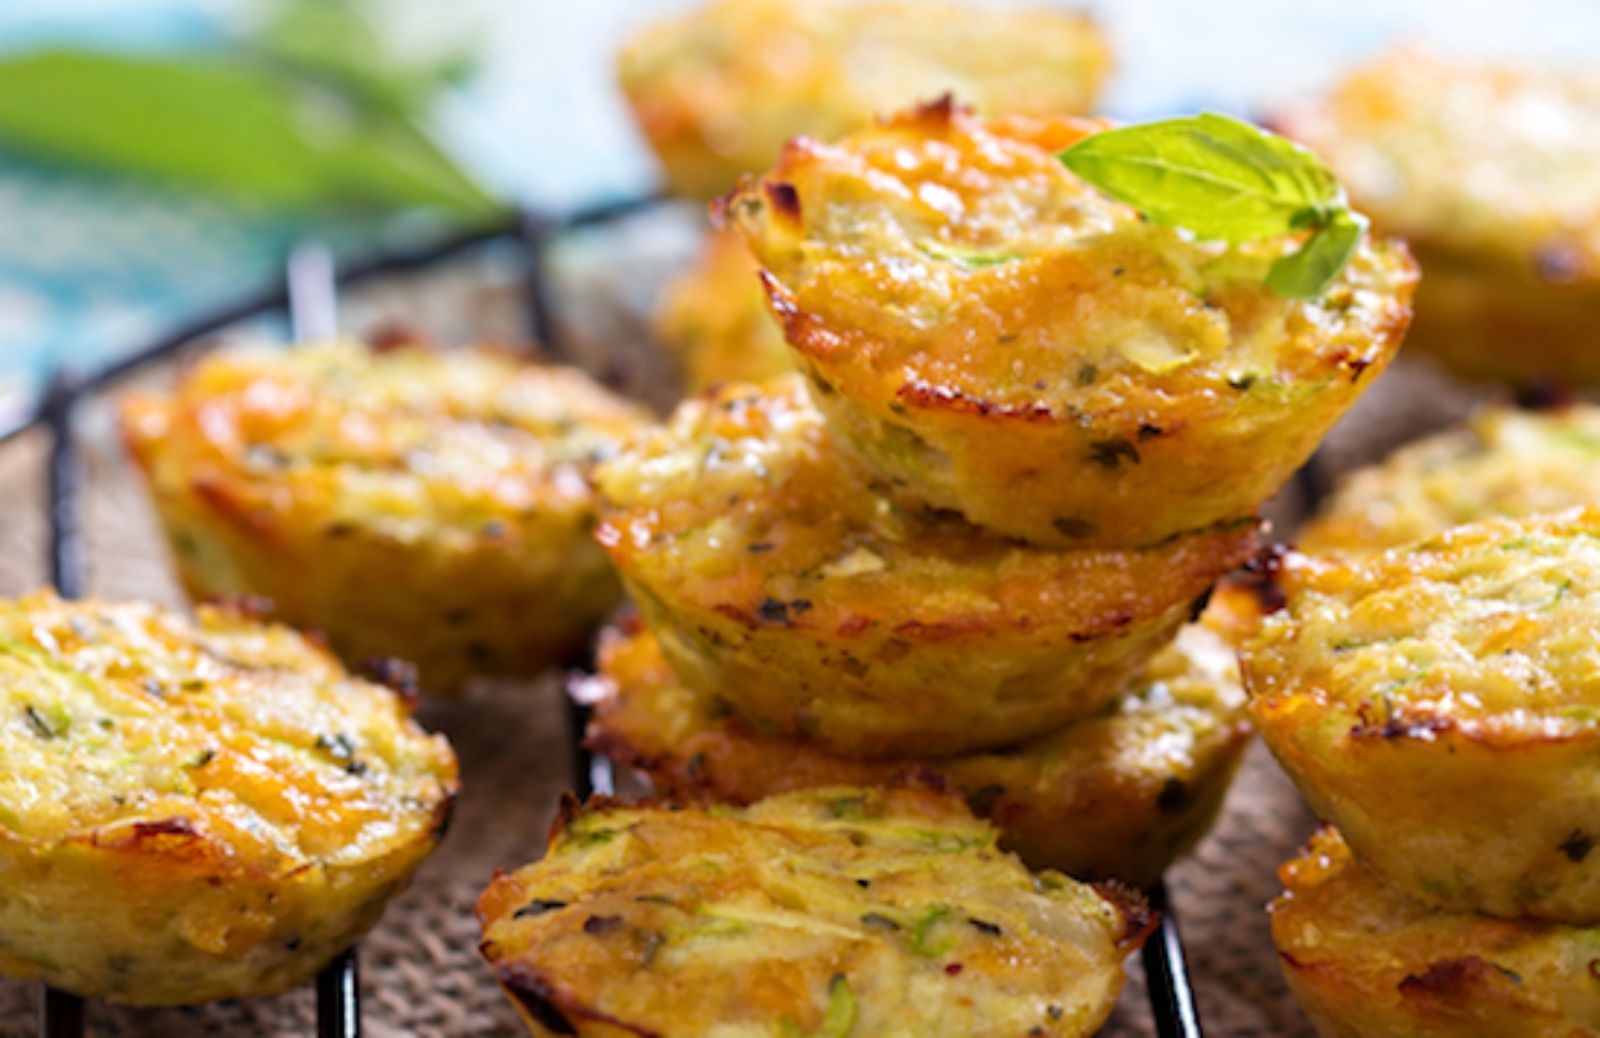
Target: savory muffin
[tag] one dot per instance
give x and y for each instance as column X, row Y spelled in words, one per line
column 1440, row 704
column 778, row 580
column 1119, row 795
column 1492, row 173
column 715, row 319
column 1505, row 462
column 407, row 502
column 719, row 90
column 194, row 810
column 834, row 912
column 989, row 334
column 1366, row 962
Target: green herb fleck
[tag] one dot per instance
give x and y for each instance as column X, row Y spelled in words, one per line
column 924, row 926
column 46, row 726
column 841, row 1015
column 849, row 808
column 965, row 258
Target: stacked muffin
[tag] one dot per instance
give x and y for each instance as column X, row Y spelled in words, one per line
column 1033, row 431
column 1364, row 955
column 1439, row 703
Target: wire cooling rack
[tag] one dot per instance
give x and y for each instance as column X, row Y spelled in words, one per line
column 308, row 296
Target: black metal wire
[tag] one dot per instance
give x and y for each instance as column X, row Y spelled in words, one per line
column 68, row 560
column 538, row 298
column 339, row 997
column 312, row 288
column 338, row 990
column 61, row 1015
column 592, row 774
column 1166, row 972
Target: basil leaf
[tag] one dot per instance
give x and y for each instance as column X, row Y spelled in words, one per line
column 1223, row 179
column 229, row 125
column 337, row 43
column 1307, row 272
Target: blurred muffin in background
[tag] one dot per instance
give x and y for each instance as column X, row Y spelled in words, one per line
column 715, row 320
column 718, row 91
column 428, row 504
column 1492, row 173
column 1504, row 463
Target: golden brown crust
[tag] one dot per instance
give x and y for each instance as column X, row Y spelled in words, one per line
column 197, row 811
column 781, row 581
column 1492, row 172
column 1439, row 704
column 836, row 911
column 1118, row 795
column 1365, row 961
column 988, row 334
column 718, row 91
column 1504, row 462
column 462, row 478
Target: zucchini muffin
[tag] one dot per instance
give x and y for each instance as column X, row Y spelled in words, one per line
column 195, row 810
column 719, row 90
column 780, row 581
column 1366, row 962
column 1440, row 704
column 715, row 319
column 409, row 502
column 1119, row 795
column 1492, row 173
column 1504, row 463
column 989, row 334
column 838, row 912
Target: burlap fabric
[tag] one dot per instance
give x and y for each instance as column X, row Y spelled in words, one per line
column 421, row 974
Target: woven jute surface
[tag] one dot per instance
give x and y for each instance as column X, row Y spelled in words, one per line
column 421, row 974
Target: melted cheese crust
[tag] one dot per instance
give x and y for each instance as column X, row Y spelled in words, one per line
column 1364, row 960
column 1120, row 795
column 782, row 581
column 991, row 335
column 461, row 476
column 839, row 912
column 718, row 91
column 1504, row 463
column 191, row 811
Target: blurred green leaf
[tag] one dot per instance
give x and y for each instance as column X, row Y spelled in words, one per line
column 336, row 42
column 231, row 125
